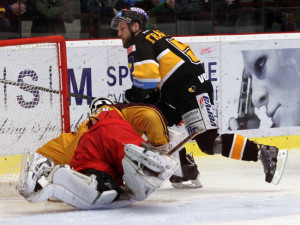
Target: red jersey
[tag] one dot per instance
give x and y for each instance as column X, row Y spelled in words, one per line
column 102, row 147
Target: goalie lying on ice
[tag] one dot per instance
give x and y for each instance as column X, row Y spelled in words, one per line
column 144, row 171
column 108, row 155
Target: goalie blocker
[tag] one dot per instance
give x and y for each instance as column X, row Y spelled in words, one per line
column 144, row 171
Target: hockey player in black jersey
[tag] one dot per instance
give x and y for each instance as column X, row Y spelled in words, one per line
column 157, row 60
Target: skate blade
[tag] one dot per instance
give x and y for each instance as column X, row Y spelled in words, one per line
column 188, row 184
column 281, row 161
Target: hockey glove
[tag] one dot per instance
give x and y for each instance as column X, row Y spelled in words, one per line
column 136, row 95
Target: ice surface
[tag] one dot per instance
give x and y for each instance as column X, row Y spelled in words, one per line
column 234, row 193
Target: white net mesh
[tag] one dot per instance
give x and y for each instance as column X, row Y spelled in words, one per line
column 29, row 101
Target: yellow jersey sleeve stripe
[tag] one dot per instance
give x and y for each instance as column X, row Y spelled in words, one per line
column 146, row 75
column 146, row 70
column 162, row 54
column 165, row 77
column 167, row 62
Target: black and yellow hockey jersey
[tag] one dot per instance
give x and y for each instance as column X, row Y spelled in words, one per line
column 154, row 57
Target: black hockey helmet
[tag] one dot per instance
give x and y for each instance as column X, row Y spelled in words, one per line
column 98, row 102
column 134, row 14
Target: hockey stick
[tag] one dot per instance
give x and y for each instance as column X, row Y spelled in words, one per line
column 180, row 145
column 31, row 86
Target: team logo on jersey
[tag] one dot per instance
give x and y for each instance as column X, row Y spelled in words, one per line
column 192, row 89
column 131, row 48
column 131, row 64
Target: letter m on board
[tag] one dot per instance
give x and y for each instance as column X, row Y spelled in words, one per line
column 85, row 83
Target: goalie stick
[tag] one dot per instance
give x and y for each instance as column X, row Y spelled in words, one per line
column 35, row 87
column 180, row 145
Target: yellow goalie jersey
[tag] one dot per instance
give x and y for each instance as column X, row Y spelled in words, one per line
column 146, row 119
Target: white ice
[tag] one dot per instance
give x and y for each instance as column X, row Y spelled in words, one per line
column 233, row 193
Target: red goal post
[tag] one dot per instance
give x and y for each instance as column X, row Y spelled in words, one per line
column 34, row 98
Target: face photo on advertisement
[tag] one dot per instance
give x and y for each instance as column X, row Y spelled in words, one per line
column 275, row 81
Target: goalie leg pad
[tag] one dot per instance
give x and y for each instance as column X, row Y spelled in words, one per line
column 138, row 188
column 142, row 182
column 76, row 189
column 145, row 157
column 70, row 180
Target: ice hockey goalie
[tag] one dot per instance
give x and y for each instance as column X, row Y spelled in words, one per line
column 144, row 171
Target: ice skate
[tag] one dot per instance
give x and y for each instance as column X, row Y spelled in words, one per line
column 180, row 182
column 273, row 161
column 191, row 175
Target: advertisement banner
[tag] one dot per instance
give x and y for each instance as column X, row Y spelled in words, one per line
column 260, row 80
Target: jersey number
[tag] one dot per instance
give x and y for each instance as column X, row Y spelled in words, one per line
column 185, row 49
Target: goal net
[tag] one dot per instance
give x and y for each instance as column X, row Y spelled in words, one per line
column 34, row 98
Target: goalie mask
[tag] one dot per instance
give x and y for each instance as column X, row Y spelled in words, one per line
column 134, row 14
column 97, row 103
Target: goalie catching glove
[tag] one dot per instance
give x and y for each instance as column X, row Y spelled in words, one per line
column 145, row 170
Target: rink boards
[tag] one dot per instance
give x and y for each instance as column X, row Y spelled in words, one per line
column 100, row 68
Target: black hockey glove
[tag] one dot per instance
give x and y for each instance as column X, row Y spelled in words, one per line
column 128, row 97
column 136, row 95
column 153, row 97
